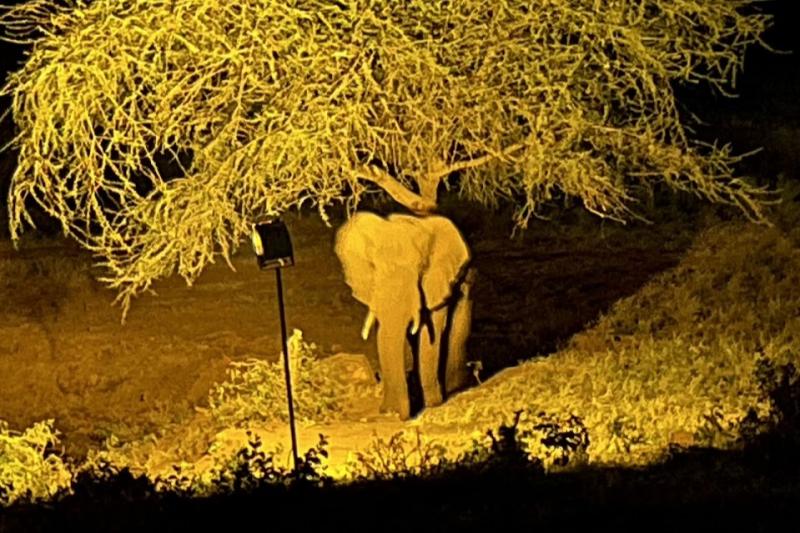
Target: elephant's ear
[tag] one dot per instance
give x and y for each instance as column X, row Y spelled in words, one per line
column 355, row 247
column 448, row 259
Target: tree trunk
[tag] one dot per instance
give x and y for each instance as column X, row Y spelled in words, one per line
column 429, row 189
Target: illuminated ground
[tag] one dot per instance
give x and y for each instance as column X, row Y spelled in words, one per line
column 64, row 354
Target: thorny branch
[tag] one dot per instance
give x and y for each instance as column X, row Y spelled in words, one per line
column 277, row 105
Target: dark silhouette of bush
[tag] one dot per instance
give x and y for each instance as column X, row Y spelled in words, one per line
column 499, row 487
column 496, row 486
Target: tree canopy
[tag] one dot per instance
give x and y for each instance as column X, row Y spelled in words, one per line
column 266, row 105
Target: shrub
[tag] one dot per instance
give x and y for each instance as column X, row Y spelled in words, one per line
column 543, row 442
column 30, row 469
column 401, row 455
column 249, row 469
column 255, row 389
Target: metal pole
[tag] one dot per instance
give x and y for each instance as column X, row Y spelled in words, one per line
column 287, row 372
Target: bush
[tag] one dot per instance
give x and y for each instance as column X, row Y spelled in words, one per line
column 542, row 442
column 255, row 389
column 30, row 469
column 250, row 469
column 777, row 433
column 399, row 456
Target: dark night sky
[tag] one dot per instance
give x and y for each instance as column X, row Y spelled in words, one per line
column 770, row 82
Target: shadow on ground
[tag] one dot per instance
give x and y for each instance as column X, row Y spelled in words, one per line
column 537, row 289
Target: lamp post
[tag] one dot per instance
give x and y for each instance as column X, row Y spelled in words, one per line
column 273, row 248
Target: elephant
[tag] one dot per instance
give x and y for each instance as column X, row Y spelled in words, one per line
column 414, row 275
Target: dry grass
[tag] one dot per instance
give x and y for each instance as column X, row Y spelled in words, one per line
column 675, row 363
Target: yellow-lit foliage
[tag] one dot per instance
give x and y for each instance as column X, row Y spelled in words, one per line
column 255, row 390
column 281, row 104
column 548, row 441
column 29, row 470
column 675, row 363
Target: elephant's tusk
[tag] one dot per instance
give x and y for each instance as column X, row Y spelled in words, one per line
column 368, row 322
column 415, row 325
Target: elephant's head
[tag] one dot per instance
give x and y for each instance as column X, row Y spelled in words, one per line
column 399, row 265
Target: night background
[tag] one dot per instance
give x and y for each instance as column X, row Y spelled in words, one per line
column 619, row 375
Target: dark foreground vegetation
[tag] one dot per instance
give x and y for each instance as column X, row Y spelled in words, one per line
column 753, row 488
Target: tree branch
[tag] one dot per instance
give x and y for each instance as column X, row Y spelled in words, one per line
column 440, row 173
column 395, row 189
column 425, row 202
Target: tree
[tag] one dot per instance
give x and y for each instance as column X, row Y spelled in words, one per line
column 266, row 105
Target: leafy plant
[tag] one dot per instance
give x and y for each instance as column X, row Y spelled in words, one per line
column 401, row 455
column 30, row 468
column 97, row 481
column 565, row 442
column 780, row 386
column 541, row 442
column 248, row 470
column 255, row 389
column 545, row 440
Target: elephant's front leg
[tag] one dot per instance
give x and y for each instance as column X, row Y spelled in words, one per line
column 430, row 349
column 391, row 355
column 456, row 375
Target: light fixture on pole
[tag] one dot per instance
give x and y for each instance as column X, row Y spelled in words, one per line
column 273, row 248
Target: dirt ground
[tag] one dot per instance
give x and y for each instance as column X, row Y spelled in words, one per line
column 65, row 355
